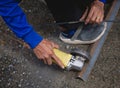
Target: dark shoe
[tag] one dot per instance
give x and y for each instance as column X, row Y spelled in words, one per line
column 85, row 34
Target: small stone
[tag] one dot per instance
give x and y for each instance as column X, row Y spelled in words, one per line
column 26, row 60
column 9, row 79
column 37, row 71
column 23, row 73
column 8, row 84
column 19, row 46
column 67, row 46
column 92, row 77
column 14, row 72
column 27, row 84
column 40, row 77
column 49, row 81
column 19, row 85
column 29, row 73
column 10, row 66
column 21, row 80
column 32, row 84
column 2, row 69
column 38, row 86
column 30, row 54
column 29, row 10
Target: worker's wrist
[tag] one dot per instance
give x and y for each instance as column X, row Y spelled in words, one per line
column 98, row 3
column 33, row 39
column 102, row 1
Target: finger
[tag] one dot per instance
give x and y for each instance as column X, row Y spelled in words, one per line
column 93, row 18
column 45, row 62
column 54, row 45
column 39, row 55
column 58, row 61
column 84, row 15
column 98, row 19
column 101, row 19
column 49, row 60
column 47, row 57
column 49, row 46
column 89, row 16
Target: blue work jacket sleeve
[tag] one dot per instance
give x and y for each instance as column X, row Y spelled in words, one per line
column 16, row 20
column 104, row 1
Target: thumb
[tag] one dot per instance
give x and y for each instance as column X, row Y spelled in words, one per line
column 84, row 15
column 58, row 61
column 55, row 45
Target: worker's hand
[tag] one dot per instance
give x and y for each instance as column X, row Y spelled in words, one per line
column 44, row 51
column 94, row 14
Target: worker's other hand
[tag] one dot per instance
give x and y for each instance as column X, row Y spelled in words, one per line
column 44, row 51
column 94, row 14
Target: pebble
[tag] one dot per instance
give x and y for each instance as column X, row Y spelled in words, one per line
column 9, row 79
column 19, row 85
column 19, row 46
column 8, row 84
column 37, row 71
column 23, row 73
column 38, row 86
column 49, row 81
column 32, row 84
column 14, row 72
column 92, row 77
column 5, row 58
column 27, row 84
column 29, row 10
column 67, row 46
column 29, row 73
column 3, row 69
column 10, row 66
column 21, row 80
column 26, row 60
column 40, row 77
column 30, row 55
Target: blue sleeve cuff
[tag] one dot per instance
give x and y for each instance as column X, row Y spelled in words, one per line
column 33, row 39
column 104, row 1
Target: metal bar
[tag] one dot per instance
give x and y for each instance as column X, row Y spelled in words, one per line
column 76, row 22
column 95, row 48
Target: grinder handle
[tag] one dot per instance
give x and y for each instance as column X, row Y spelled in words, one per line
column 64, row 57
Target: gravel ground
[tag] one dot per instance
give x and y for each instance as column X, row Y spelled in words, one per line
column 19, row 67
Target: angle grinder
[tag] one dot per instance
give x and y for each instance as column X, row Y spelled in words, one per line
column 74, row 60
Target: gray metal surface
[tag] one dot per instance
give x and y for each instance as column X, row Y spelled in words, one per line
column 76, row 63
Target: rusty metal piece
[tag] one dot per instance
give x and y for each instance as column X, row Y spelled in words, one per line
column 95, row 48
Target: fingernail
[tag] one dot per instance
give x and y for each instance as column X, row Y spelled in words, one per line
column 63, row 67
